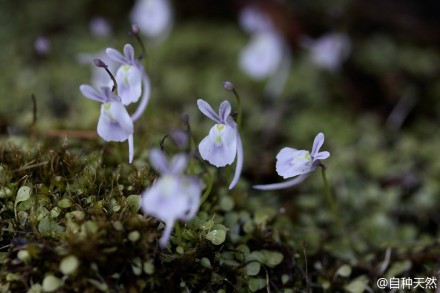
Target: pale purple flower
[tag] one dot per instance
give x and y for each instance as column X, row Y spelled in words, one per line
column 173, row 196
column 267, row 54
column 223, row 142
column 129, row 76
column 297, row 163
column 329, row 51
column 154, row 17
column 114, row 122
column 262, row 57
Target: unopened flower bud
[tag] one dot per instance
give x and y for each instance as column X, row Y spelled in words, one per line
column 185, row 119
column 179, row 137
column 229, row 86
column 135, row 29
column 99, row 63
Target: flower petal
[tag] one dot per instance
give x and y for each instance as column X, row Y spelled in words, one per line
column 178, row 164
column 263, row 55
column 317, row 143
column 159, row 161
column 146, row 84
column 321, row 156
column 90, row 93
column 192, row 189
column 239, row 162
column 220, row 146
column 292, row 162
column 115, row 55
column 224, row 111
column 129, row 79
column 129, row 53
column 282, row 185
column 130, row 148
column 171, row 199
column 206, row 109
column 114, row 123
column 166, row 234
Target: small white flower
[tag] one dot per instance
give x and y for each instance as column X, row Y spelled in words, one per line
column 266, row 55
column 114, row 122
column 129, row 76
column 154, row 17
column 174, row 196
column 223, row 142
column 262, row 57
column 297, row 163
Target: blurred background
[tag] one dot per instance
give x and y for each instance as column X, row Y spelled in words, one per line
column 365, row 73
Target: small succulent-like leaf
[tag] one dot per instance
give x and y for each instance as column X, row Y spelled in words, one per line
column 343, row 271
column 134, row 202
column 272, row 258
column 253, row 268
column 217, row 237
column 51, row 283
column 256, row 284
column 69, row 265
column 23, row 194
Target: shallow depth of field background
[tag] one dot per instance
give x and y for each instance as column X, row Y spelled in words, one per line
column 384, row 173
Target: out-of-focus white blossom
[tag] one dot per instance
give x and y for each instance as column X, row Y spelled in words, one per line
column 329, row 51
column 173, row 196
column 154, row 17
column 99, row 27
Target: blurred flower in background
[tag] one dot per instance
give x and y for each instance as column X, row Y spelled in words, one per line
column 154, row 18
column 329, row 51
column 42, row 46
column 99, row 27
column 267, row 54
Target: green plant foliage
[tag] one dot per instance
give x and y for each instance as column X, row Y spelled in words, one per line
column 70, row 204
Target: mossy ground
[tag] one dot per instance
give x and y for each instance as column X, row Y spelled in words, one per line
column 78, row 226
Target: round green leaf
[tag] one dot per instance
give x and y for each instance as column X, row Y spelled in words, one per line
column 134, row 202
column 256, row 284
column 217, row 237
column 23, row 194
column 51, row 283
column 253, row 268
column 69, row 264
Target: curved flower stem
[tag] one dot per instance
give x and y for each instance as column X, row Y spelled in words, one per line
column 239, row 116
column 208, row 188
column 178, row 233
column 130, row 148
column 330, row 200
column 334, row 208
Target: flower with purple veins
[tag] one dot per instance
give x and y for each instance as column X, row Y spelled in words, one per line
column 114, row 122
column 223, row 142
column 297, row 163
column 173, row 196
column 129, row 76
